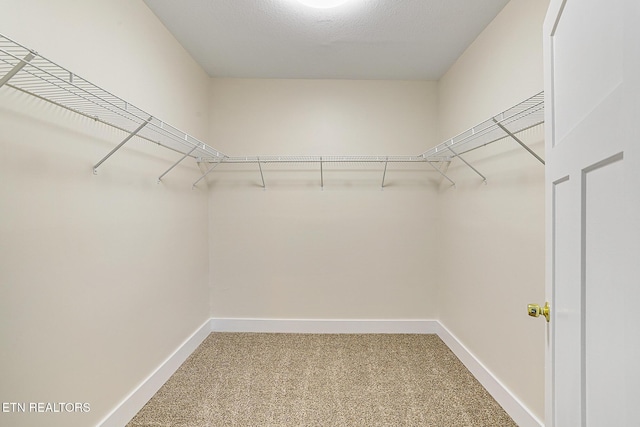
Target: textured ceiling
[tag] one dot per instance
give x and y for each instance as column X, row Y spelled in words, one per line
column 361, row 39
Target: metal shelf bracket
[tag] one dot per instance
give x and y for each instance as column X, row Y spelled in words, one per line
column 176, row 163
column 261, row 174
column 440, row 172
column 19, row 66
column 384, row 174
column 131, row 135
column 508, row 132
column 466, row 163
column 207, row 172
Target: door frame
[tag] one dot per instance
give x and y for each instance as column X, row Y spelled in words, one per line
column 554, row 13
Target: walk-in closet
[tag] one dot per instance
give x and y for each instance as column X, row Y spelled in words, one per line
column 152, row 202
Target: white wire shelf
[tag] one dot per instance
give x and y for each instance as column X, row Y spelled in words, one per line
column 327, row 159
column 509, row 123
column 25, row 70
column 523, row 116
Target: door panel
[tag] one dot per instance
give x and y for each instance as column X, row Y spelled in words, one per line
column 566, row 313
column 604, row 293
column 592, row 96
column 588, row 60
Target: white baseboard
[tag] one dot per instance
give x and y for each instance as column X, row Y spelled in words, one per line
column 325, row 326
column 129, row 407
column 510, row 403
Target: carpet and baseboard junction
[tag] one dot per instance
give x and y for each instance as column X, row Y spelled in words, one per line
column 292, row 379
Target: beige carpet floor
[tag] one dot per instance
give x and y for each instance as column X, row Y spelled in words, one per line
column 239, row 379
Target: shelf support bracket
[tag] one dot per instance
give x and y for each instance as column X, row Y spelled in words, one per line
column 466, row 163
column 321, row 175
column 440, row 172
column 207, row 172
column 261, row 174
column 24, row 61
column 176, row 163
column 384, row 174
column 131, row 135
column 508, row 132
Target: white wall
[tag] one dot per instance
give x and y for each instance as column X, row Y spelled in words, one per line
column 493, row 246
column 101, row 277
column 350, row 251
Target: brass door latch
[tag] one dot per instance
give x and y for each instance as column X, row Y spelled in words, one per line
column 535, row 310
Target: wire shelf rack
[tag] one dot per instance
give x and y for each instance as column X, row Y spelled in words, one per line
column 328, row 159
column 27, row 71
column 523, row 116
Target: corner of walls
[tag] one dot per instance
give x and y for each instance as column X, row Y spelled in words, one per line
column 518, row 411
column 492, row 252
column 146, row 389
column 502, row 67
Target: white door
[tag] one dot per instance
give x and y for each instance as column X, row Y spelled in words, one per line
column 592, row 94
